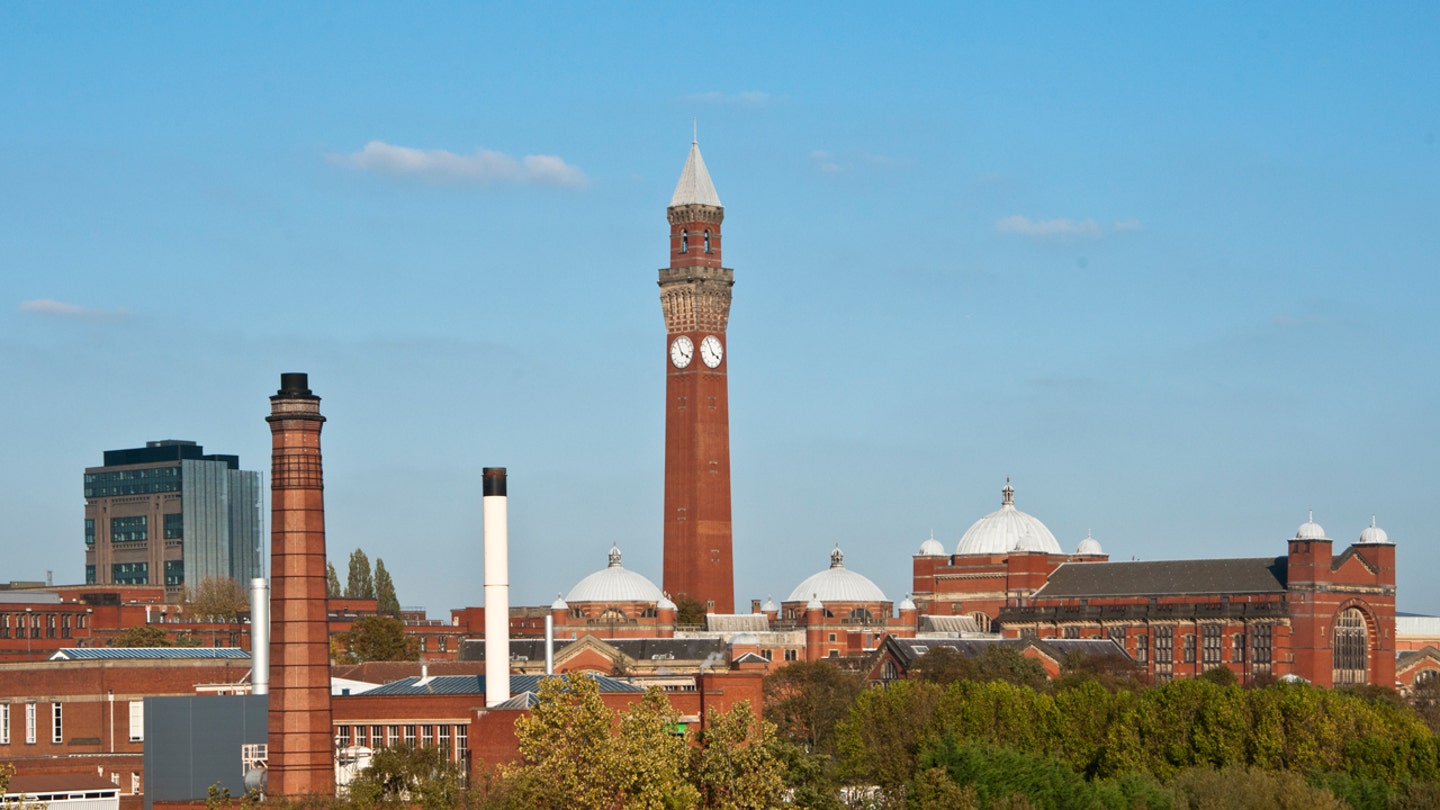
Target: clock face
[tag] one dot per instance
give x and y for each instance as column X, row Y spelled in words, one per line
column 681, row 350
column 711, row 351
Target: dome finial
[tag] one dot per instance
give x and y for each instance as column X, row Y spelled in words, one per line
column 1007, row 495
column 614, row 556
column 837, row 557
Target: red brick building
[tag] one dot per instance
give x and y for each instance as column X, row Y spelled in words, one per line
column 1311, row 613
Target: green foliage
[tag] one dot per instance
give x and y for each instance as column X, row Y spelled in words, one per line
column 360, row 584
column 880, row 742
column 998, row 775
column 143, row 635
column 567, row 756
column 332, row 581
column 1240, row 788
column 386, row 601
column 733, row 766
column 375, row 638
column 1220, row 676
column 807, row 699
column 689, row 610
column 1111, row 672
column 404, row 776
column 216, row 599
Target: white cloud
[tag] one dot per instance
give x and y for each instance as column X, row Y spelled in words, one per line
column 483, row 167
column 1062, row 228
column 1049, row 228
column 831, row 163
column 60, row 309
column 749, row 98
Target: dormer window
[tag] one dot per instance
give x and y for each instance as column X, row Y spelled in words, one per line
column 707, row 241
column 684, row 241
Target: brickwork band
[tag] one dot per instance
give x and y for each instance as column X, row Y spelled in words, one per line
column 301, row 756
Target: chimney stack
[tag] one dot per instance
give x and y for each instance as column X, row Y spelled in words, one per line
column 497, row 587
column 301, row 759
column 259, row 636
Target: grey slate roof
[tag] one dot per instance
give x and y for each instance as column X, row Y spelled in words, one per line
column 1166, row 578
column 737, row 623
column 131, row 653
column 908, row 649
column 475, row 685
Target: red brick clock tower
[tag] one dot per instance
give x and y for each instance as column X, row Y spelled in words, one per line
column 695, row 297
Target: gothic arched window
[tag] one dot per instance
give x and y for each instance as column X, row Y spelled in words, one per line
column 707, row 241
column 684, row 241
column 1350, row 646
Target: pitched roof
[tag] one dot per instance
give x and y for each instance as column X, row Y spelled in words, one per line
column 475, row 685
column 949, row 624
column 695, row 187
column 130, row 653
column 906, row 650
column 1166, row 578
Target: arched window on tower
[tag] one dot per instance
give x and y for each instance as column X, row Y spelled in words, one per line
column 707, row 241
column 684, row 241
column 1350, row 647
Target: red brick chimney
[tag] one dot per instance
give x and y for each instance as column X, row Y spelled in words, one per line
column 301, row 753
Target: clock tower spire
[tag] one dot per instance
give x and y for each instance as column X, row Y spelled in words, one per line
column 695, row 299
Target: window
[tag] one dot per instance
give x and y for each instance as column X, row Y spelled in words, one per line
column 1238, row 652
column 790, row 655
column 4, row 625
column 174, row 572
column 462, row 742
column 1187, row 649
column 89, row 531
column 50, row 625
column 342, row 736
column 1350, row 648
column 832, row 637
column 410, row 736
column 174, row 526
column 1142, row 649
column 137, row 721
column 65, row 626
column 1164, row 651
column 377, row 736
column 427, row 735
column 768, row 655
column 392, row 735
column 684, row 241
column 129, row 529
column 57, row 723
column 1260, row 648
column 4, row 723
column 1117, row 635
column 707, row 241
column 1210, row 644
column 136, row 573
column 89, row 575
column 29, row 723
column 1072, row 632
column 134, row 781
column 442, row 737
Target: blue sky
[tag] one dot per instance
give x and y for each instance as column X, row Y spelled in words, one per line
column 1172, row 269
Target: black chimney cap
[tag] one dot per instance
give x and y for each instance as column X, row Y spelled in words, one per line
column 492, row 480
column 294, row 384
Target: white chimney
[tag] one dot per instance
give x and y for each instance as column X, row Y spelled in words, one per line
column 497, row 587
column 259, row 636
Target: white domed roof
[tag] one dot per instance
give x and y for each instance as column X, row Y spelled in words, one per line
column 614, row 584
column 1373, row 533
column 1007, row 530
column 1310, row 530
column 907, row 603
column 837, row 584
column 665, row 603
column 1089, row 545
column 559, row 603
column 769, row 606
column 932, row 547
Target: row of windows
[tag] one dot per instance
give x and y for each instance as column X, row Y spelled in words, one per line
column 132, row 482
column 57, row 723
column 174, row 526
column 132, row 573
column 129, row 529
column 174, row 572
column 438, row 735
column 32, row 625
column 685, row 241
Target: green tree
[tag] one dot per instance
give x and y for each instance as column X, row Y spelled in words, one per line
column 375, row 638
column 567, row 756
column 216, row 599
column 332, row 581
column 1240, row 788
column 807, row 699
column 143, row 635
column 360, row 584
column 880, row 742
column 386, row 601
column 689, row 610
column 942, row 665
column 652, row 768
column 734, row 766
column 404, row 776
